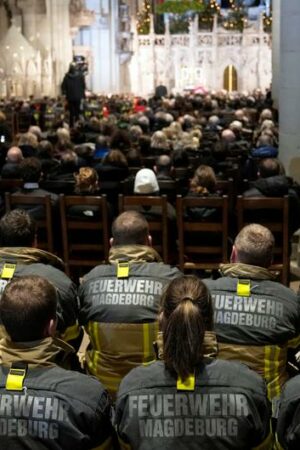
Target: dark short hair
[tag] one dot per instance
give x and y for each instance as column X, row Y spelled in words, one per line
column 130, row 228
column 26, row 307
column 31, row 170
column 17, row 229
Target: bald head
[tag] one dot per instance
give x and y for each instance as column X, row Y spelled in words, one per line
column 228, row 135
column 14, row 155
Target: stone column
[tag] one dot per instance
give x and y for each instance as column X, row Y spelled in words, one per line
column 289, row 92
column 28, row 8
column 60, row 38
column 275, row 51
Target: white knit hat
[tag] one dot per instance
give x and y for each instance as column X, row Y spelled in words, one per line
column 145, row 182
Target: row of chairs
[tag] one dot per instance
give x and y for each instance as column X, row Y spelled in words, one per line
column 201, row 244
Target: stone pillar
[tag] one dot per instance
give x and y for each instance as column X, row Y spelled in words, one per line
column 289, row 92
column 60, row 39
column 275, row 51
column 28, row 8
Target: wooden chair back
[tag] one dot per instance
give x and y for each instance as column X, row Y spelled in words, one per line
column 273, row 213
column 10, row 184
column 202, row 242
column 45, row 225
column 158, row 223
column 86, row 238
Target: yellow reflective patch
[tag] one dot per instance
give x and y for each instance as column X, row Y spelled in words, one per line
column 123, row 270
column 8, row 271
column 15, row 378
column 187, row 385
column 243, row 288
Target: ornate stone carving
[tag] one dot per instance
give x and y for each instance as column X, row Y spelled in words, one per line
column 80, row 16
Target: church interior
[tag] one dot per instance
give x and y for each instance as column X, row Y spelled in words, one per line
column 139, row 139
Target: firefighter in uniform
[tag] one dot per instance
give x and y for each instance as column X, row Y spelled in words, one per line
column 190, row 401
column 256, row 319
column 19, row 256
column 288, row 424
column 119, row 302
column 42, row 405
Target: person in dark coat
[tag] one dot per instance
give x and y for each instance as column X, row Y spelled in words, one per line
column 272, row 182
column 11, row 168
column 73, row 87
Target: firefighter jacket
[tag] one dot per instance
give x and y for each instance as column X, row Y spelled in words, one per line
column 256, row 321
column 288, row 424
column 22, row 261
column 119, row 305
column 43, row 406
column 223, row 406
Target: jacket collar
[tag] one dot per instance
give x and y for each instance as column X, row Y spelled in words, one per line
column 30, row 255
column 133, row 253
column 43, row 353
column 240, row 270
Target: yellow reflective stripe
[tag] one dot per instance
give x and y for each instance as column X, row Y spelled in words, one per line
column 150, row 331
column 123, row 444
column 267, row 368
column 70, row 333
column 295, row 342
column 106, row 445
column 271, row 372
column 277, row 359
column 266, row 444
column 94, row 356
column 146, row 346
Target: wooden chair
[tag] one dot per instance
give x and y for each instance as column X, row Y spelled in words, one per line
column 273, row 213
column 168, row 188
column 158, row 224
column 44, row 226
column 202, row 242
column 86, row 238
column 58, row 186
column 10, row 184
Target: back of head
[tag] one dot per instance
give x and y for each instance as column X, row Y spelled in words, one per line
column 130, row 228
column 163, row 163
column 14, row 155
column 254, row 245
column 228, row 135
column 17, row 229
column 86, row 180
column 27, row 306
column 145, row 182
column 186, row 313
column 31, row 170
column 265, row 140
column 204, row 180
column 28, row 139
column 269, row 167
column 116, row 158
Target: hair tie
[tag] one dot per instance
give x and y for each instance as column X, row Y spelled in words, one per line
column 188, row 298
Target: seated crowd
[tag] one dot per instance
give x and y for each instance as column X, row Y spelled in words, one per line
column 171, row 360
